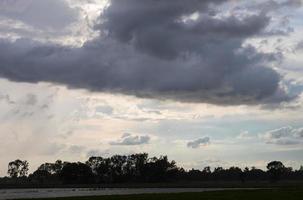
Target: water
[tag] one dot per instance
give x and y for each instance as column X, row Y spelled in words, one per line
column 76, row 192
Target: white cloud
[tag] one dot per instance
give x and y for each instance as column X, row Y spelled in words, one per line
column 244, row 135
column 283, row 136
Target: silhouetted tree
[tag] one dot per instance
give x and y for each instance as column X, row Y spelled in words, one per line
column 206, row 170
column 275, row 170
column 159, row 169
column 140, row 168
column 218, row 173
column 41, row 176
column 194, row 175
column 101, row 167
column 118, row 168
column 244, row 175
column 298, row 174
column 135, row 166
column 76, row 173
column 52, row 168
column 18, row 168
column 206, row 173
column 234, row 173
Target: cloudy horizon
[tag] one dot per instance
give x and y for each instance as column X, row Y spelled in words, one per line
column 208, row 83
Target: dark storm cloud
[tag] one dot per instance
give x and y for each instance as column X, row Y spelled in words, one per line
column 157, row 28
column 157, row 49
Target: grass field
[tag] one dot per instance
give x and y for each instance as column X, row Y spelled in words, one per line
column 178, row 184
column 267, row 194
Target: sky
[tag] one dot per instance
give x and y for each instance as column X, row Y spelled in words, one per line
column 207, row 83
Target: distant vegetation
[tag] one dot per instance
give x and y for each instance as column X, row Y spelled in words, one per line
column 138, row 168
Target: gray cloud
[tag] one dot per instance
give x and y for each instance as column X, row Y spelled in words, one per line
column 293, row 3
column 244, row 135
column 6, row 98
column 147, row 49
column 76, row 149
column 198, row 143
column 51, row 149
column 129, row 139
column 277, row 9
column 31, row 100
column 299, row 46
column 272, row 5
column 29, row 105
column 283, row 136
column 97, row 152
column 54, row 14
column 104, row 109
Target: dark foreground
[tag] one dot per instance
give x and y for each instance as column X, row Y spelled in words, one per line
column 263, row 194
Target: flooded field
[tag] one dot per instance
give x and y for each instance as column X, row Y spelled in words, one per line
column 77, row 192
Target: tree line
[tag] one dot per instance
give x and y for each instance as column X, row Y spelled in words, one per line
column 137, row 168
